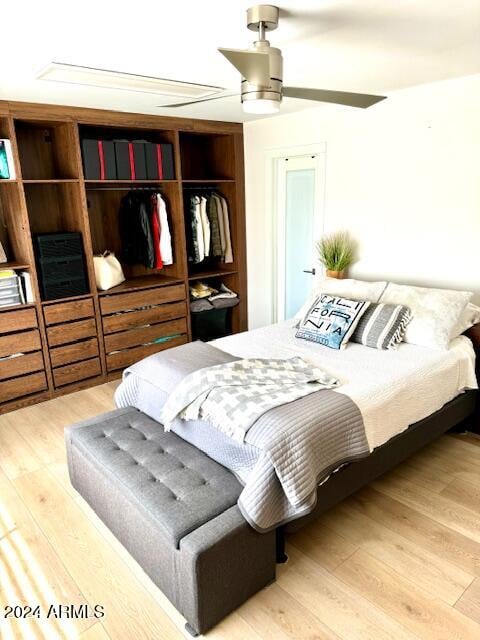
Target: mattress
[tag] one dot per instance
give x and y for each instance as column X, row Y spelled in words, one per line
column 393, row 389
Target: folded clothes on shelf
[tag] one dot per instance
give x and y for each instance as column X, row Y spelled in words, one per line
column 206, row 298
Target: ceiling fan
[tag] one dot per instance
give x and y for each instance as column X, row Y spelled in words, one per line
column 261, row 67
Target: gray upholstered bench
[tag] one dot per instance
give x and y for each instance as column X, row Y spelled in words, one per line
column 175, row 511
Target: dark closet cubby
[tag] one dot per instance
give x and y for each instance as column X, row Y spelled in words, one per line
column 207, row 156
column 46, row 150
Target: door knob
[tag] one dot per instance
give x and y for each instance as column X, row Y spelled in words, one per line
column 312, row 271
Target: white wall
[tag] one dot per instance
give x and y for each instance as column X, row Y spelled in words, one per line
column 403, row 177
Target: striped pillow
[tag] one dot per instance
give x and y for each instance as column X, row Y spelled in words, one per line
column 382, row 326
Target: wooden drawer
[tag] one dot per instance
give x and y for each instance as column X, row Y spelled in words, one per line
column 122, row 359
column 143, row 298
column 71, row 331
column 78, row 371
column 20, row 365
column 17, row 320
column 66, row 311
column 23, row 386
column 21, row 342
column 74, row 352
column 134, row 319
column 143, row 335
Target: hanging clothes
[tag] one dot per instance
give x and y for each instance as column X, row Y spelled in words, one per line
column 199, row 230
column 209, row 234
column 155, row 221
column 215, row 242
column 166, row 249
column 205, row 225
column 228, row 253
column 135, row 230
column 220, row 222
column 144, row 230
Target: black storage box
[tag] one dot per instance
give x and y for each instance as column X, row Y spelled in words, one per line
column 211, row 324
column 139, row 159
column 159, row 157
column 168, row 169
column 109, row 161
column 61, row 265
column 98, row 159
column 122, row 158
column 91, row 159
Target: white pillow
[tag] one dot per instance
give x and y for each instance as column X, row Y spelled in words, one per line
column 348, row 288
column 470, row 316
column 436, row 312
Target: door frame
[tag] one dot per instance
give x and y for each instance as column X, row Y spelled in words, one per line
column 273, row 157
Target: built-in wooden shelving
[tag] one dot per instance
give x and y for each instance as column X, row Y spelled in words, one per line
column 75, row 342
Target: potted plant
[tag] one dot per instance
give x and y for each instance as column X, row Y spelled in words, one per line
column 336, row 253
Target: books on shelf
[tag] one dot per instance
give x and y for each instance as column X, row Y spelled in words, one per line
column 15, row 288
column 27, row 287
column 7, row 167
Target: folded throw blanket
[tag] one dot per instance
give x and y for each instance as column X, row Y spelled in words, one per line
column 232, row 396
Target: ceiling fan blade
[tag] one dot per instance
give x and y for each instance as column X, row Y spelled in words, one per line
column 253, row 65
column 361, row 100
column 185, row 104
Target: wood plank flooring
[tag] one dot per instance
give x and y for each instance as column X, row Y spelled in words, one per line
column 400, row 560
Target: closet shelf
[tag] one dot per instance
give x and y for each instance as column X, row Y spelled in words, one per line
column 8, row 181
column 15, row 307
column 209, row 181
column 142, row 282
column 216, row 273
column 128, row 182
column 69, row 299
column 53, row 181
column 13, row 265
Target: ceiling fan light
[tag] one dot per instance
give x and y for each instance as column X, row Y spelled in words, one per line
column 261, row 106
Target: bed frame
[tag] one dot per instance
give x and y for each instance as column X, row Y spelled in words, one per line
column 462, row 413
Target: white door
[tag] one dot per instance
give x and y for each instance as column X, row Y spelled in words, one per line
column 299, row 224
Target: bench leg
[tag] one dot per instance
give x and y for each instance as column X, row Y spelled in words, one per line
column 280, row 555
column 193, row 632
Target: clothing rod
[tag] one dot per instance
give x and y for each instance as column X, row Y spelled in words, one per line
column 200, row 189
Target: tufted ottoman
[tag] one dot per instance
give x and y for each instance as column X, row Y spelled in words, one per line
column 175, row 511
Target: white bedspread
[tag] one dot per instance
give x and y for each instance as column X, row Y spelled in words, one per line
column 393, row 389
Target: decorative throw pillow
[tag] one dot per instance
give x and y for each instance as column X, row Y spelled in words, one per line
column 347, row 288
column 382, row 326
column 436, row 312
column 331, row 320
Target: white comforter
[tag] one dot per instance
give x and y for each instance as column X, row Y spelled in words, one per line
column 393, row 389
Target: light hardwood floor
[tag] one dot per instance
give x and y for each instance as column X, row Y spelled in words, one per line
column 399, row 560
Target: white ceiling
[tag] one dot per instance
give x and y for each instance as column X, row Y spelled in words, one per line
column 371, row 46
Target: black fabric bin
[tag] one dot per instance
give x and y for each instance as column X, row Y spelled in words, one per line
column 211, row 324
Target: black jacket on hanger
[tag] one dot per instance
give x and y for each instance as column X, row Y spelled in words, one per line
column 135, row 231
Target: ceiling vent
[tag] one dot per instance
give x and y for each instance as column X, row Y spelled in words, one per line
column 73, row 74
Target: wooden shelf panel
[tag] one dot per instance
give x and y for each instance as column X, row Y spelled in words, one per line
column 9, row 181
column 17, row 306
column 13, row 265
column 209, row 181
column 214, row 273
column 127, row 182
column 52, row 181
column 142, row 282
column 69, row 299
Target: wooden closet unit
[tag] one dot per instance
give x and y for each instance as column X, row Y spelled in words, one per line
column 71, row 343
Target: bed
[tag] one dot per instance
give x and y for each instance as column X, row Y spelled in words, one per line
column 407, row 397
